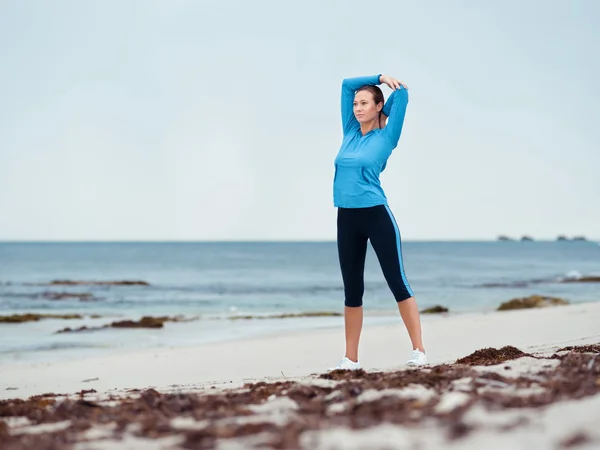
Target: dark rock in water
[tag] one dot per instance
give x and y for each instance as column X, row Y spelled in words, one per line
column 574, row 277
column 101, row 283
column 533, row 301
column 144, row 322
column 588, row 279
column 83, row 296
column 526, row 238
column 83, row 328
column 575, row 238
column 289, row 316
column 435, row 310
column 491, row 356
column 512, row 284
column 505, row 238
column 20, row 318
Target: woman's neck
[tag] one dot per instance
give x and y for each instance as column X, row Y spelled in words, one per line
column 369, row 126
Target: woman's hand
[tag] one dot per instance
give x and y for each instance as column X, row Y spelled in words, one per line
column 392, row 82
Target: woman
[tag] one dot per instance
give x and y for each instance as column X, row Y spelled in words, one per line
column 363, row 212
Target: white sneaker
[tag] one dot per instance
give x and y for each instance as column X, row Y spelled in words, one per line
column 346, row 364
column 418, row 358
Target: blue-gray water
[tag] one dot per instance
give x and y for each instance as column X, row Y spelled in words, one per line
column 213, row 281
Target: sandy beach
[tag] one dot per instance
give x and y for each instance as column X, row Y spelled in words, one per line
column 250, row 382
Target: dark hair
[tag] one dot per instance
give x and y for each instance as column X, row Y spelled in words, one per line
column 377, row 94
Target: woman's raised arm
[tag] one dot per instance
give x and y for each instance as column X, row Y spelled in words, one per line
column 349, row 87
column 395, row 109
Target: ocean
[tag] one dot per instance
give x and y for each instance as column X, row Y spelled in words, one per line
column 215, row 283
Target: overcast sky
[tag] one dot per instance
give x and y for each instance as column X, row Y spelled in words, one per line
column 203, row 120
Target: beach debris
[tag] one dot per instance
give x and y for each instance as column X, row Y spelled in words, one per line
column 4, row 431
column 435, row 310
column 582, row 279
column 459, row 430
column 100, row 283
column 92, row 283
column 490, row 356
column 533, row 301
column 279, row 414
column 575, row 440
column 288, row 315
column 88, row 380
column 144, row 322
column 56, row 296
column 80, row 329
column 582, row 349
column 492, row 383
column 571, row 277
column 515, row 284
column 31, row 317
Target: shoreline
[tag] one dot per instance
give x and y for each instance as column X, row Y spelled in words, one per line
column 300, row 353
column 177, row 336
column 181, row 335
column 265, row 328
column 191, row 330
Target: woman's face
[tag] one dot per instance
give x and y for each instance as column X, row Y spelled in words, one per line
column 365, row 109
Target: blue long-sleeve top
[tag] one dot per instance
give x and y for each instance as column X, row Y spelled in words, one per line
column 361, row 159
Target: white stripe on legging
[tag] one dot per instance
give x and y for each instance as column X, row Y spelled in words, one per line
column 399, row 248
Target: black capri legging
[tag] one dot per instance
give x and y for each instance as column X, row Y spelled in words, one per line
column 354, row 227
